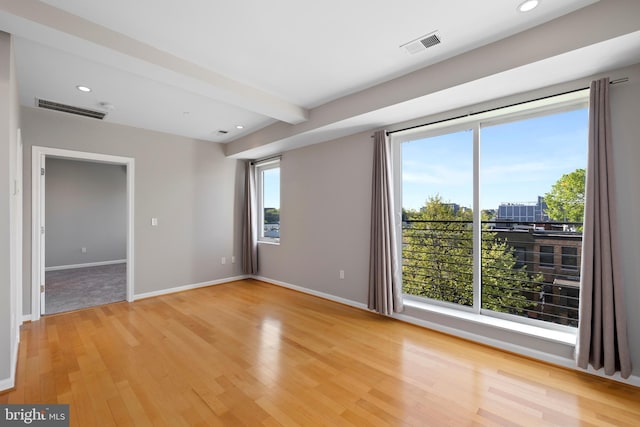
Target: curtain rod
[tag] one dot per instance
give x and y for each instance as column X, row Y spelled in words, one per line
column 266, row 159
column 612, row 82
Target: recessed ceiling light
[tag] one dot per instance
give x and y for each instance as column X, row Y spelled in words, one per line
column 83, row 88
column 239, row 127
column 528, row 5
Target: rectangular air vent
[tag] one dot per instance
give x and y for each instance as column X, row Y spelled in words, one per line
column 432, row 40
column 50, row 105
column 422, row 43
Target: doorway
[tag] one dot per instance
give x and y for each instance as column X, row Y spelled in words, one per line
column 68, row 272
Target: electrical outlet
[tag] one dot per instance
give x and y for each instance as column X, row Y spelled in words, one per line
column 233, row 259
column 341, row 274
column 223, row 260
column 83, row 250
column 154, row 222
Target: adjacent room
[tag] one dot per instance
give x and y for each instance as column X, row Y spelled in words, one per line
column 86, row 239
column 337, row 213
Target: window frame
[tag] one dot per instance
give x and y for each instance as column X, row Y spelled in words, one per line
column 546, row 264
column 575, row 265
column 550, row 105
column 262, row 167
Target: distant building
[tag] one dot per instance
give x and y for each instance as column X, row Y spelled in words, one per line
column 556, row 255
column 490, row 214
column 523, row 212
column 453, row 206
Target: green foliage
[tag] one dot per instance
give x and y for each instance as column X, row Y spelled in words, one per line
column 505, row 287
column 565, row 201
column 438, row 261
column 271, row 216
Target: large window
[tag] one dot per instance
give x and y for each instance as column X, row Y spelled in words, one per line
column 487, row 201
column 268, row 177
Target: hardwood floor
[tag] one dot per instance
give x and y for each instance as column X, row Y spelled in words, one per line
column 250, row 353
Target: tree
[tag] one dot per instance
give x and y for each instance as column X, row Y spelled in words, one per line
column 565, row 201
column 271, row 216
column 438, row 261
column 437, row 253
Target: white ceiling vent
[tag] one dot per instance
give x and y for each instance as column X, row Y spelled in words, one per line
column 51, row 105
column 422, row 43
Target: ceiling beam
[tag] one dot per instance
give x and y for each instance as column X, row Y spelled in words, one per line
column 590, row 26
column 32, row 19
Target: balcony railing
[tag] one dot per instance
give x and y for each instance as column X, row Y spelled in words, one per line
column 529, row 270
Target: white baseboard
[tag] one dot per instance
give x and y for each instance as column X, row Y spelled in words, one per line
column 9, row 383
column 513, row 348
column 524, row 351
column 88, row 264
column 633, row 380
column 312, row 292
column 137, row 297
column 538, row 355
column 481, row 339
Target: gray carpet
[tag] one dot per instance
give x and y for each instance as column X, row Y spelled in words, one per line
column 77, row 288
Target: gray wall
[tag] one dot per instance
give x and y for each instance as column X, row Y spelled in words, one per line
column 625, row 114
column 187, row 184
column 325, row 200
column 5, row 206
column 9, row 122
column 325, row 203
column 86, row 207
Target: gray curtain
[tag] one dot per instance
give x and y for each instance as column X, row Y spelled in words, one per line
column 602, row 331
column 250, row 222
column 385, row 293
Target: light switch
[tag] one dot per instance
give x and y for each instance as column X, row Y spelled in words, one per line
column 154, row 222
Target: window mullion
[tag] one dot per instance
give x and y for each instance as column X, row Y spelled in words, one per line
column 477, row 222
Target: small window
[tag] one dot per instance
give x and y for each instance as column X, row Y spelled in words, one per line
column 569, row 258
column 546, row 256
column 268, row 175
column 521, row 256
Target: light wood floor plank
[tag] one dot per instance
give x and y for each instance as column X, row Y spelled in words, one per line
column 252, row 354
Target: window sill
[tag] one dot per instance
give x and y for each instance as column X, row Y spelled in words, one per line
column 268, row 242
column 564, row 337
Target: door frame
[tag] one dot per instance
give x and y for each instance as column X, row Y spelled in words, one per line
column 38, row 161
column 18, row 191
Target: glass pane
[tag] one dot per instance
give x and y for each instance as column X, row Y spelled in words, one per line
column 570, row 258
column 532, row 199
column 271, row 202
column 437, row 194
column 547, row 256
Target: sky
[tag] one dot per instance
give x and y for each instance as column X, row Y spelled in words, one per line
column 519, row 161
column 271, row 193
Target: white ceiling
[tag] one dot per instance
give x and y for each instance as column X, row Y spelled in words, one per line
column 195, row 67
